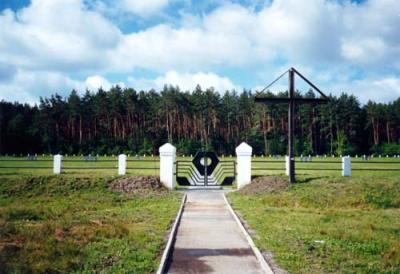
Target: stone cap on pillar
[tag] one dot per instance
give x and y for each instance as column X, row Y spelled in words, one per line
column 167, row 150
column 244, row 150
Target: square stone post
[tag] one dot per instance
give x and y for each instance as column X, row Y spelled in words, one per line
column 346, row 166
column 243, row 153
column 57, row 164
column 287, row 164
column 122, row 164
column 167, row 165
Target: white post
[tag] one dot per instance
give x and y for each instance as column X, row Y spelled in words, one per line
column 287, row 163
column 57, row 163
column 122, row 164
column 167, row 165
column 243, row 153
column 346, row 166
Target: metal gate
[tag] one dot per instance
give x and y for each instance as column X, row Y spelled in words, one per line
column 205, row 170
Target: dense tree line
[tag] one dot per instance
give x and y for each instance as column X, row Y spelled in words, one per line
column 125, row 120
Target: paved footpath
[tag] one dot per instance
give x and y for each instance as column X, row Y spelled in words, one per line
column 209, row 240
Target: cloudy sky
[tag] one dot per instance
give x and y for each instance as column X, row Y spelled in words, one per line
column 49, row 46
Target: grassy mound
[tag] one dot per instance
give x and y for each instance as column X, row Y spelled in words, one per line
column 265, row 184
column 59, row 224
column 138, row 184
column 328, row 224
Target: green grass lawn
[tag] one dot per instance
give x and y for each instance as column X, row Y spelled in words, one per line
column 74, row 224
column 329, row 224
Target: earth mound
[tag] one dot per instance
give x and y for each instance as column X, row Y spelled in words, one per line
column 137, row 184
column 265, row 184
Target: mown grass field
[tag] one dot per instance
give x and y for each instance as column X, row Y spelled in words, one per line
column 329, row 224
column 74, row 224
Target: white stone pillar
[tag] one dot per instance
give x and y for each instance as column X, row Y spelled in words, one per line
column 122, row 164
column 287, row 164
column 57, row 164
column 243, row 168
column 346, row 166
column 167, row 165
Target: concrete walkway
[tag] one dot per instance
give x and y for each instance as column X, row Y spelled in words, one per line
column 209, row 240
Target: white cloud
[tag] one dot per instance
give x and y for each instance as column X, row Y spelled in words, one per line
column 185, row 81
column 28, row 86
column 364, row 51
column 379, row 89
column 56, row 35
column 67, row 38
column 95, row 82
column 325, row 32
column 144, row 7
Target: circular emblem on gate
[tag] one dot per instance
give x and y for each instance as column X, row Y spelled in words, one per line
column 205, row 160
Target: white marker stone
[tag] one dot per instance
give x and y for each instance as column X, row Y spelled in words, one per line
column 243, row 153
column 346, row 166
column 287, row 164
column 167, row 165
column 122, row 164
column 57, row 161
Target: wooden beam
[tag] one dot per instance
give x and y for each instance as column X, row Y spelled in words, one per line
column 292, row 175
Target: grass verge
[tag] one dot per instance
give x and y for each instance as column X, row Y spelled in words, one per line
column 73, row 224
column 328, row 224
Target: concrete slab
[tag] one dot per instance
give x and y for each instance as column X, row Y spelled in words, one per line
column 209, row 240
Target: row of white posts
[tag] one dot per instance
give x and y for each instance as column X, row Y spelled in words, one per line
column 168, row 165
column 346, row 166
column 57, row 164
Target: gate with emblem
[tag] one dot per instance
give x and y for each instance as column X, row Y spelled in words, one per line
column 206, row 170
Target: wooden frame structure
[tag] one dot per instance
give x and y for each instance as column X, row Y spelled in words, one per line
column 291, row 100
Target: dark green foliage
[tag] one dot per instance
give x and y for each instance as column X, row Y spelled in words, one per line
column 124, row 120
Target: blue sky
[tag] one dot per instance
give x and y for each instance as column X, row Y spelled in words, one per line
column 49, row 46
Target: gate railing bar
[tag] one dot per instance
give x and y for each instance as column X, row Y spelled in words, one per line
column 222, row 167
column 188, row 170
column 222, row 175
column 267, row 161
column 188, row 174
column 270, row 168
column 377, row 169
column 30, row 167
column 73, row 167
column 373, row 162
column 144, row 160
column 89, row 161
column 24, row 160
column 223, row 170
column 297, row 168
column 142, row 168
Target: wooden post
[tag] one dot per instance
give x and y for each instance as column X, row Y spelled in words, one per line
column 292, row 100
column 292, row 178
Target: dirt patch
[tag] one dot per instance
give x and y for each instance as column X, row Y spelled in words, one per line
column 265, row 184
column 137, row 184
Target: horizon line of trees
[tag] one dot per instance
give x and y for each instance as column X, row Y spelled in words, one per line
column 125, row 120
